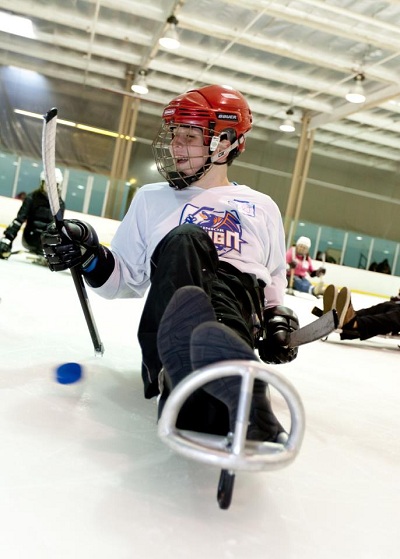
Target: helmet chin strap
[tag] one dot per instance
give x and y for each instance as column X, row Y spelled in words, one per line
column 215, row 158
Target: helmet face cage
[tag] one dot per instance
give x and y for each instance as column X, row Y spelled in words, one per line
column 167, row 163
column 220, row 113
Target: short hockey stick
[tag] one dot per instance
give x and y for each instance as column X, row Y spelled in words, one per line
column 48, row 156
column 290, row 290
column 315, row 330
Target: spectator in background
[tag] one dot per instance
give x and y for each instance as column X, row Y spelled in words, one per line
column 381, row 267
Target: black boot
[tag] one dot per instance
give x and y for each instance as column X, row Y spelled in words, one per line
column 212, row 342
column 188, row 307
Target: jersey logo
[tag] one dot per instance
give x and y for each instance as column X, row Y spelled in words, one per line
column 244, row 207
column 223, row 227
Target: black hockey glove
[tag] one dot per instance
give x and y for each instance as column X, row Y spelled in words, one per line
column 320, row 272
column 279, row 322
column 5, row 248
column 77, row 245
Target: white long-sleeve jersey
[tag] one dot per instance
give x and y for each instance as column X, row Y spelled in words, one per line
column 245, row 226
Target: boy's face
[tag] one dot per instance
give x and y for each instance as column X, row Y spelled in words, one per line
column 187, row 149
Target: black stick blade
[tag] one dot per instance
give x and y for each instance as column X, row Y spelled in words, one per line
column 50, row 114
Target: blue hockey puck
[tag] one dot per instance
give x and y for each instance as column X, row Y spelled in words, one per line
column 68, row 373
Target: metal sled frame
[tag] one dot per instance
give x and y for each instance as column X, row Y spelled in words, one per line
column 233, row 452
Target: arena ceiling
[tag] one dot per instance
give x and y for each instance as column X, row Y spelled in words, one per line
column 297, row 55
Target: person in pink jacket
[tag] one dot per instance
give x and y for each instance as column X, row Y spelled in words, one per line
column 300, row 268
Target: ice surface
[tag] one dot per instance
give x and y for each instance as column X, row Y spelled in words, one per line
column 84, row 475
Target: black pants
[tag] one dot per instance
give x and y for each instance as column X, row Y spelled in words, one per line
column 31, row 240
column 187, row 256
column 380, row 319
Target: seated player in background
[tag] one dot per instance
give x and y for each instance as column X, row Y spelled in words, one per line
column 380, row 319
column 36, row 214
column 300, row 268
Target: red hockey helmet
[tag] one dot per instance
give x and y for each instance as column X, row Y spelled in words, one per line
column 215, row 108
column 220, row 112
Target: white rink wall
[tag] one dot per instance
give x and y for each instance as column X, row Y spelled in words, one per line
column 361, row 281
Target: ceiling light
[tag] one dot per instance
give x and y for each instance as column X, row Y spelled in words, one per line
column 140, row 84
column 356, row 93
column 78, row 125
column 288, row 124
column 17, row 25
column 170, row 38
